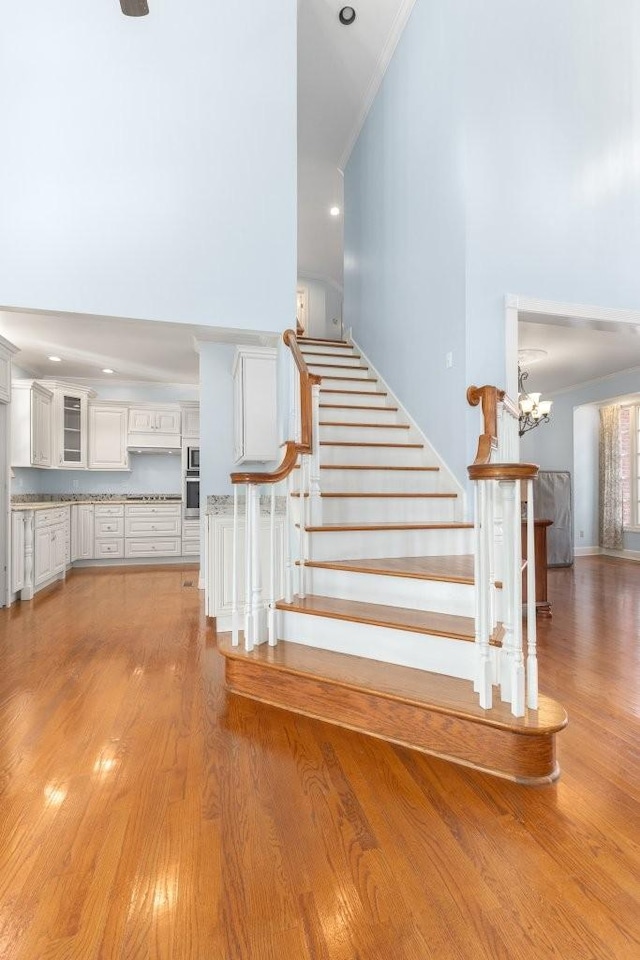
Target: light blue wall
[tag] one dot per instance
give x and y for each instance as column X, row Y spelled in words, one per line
column 500, row 156
column 404, row 230
column 216, row 418
column 152, row 161
column 552, row 447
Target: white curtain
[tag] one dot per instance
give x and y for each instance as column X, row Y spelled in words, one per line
column 611, row 492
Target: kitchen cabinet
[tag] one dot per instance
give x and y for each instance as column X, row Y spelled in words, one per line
column 152, row 530
column 108, row 436
column 154, row 427
column 108, row 530
column 82, row 531
column 190, row 538
column 255, row 415
column 31, row 423
column 7, row 350
column 50, row 539
column 190, row 420
column 69, row 425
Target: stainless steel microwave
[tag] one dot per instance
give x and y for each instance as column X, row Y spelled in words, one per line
column 191, row 497
column 193, row 458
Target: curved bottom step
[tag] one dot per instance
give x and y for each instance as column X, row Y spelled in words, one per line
column 427, row 712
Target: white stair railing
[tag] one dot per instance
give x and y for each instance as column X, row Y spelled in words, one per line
column 254, row 601
column 498, row 477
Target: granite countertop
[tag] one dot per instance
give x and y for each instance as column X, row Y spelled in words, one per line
column 66, row 500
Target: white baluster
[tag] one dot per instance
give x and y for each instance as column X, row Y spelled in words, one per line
column 506, row 656
column 248, row 572
column 532, row 655
column 273, row 639
column 517, row 663
column 256, row 570
column 485, row 676
column 234, row 574
column 288, row 535
column 315, row 499
column 302, row 520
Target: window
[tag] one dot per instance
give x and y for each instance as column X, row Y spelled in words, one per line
column 630, row 463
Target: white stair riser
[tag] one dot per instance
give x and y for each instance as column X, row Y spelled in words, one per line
column 454, row 658
column 383, row 510
column 378, row 481
column 334, row 357
column 368, row 544
column 372, row 398
column 328, row 347
column 339, row 370
column 339, row 383
column 370, row 415
column 402, row 456
column 438, row 596
column 373, row 433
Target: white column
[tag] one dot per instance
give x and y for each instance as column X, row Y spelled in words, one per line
column 315, row 498
column 235, row 571
column 248, row 572
column 289, row 533
column 256, row 571
column 506, row 656
column 273, row 639
column 485, row 688
column 517, row 662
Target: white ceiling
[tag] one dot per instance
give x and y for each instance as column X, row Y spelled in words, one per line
column 139, row 350
column 576, row 350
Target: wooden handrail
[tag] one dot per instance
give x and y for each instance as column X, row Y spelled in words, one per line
column 292, row 449
column 489, row 397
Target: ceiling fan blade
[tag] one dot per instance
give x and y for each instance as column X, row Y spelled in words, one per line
column 134, row 8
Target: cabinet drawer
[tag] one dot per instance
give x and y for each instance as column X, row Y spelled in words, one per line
column 156, row 510
column 109, row 510
column 46, row 518
column 165, row 547
column 109, row 527
column 152, row 526
column 190, row 529
column 191, row 548
column 109, row 548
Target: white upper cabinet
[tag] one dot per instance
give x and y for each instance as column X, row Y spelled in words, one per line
column 153, row 426
column 108, row 436
column 7, row 350
column 190, row 420
column 31, row 423
column 255, row 404
column 69, row 423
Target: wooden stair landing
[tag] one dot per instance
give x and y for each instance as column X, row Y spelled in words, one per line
column 428, row 712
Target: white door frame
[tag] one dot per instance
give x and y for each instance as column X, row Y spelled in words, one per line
column 514, row 304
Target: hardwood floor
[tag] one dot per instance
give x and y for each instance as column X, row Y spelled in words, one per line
column 145, row 813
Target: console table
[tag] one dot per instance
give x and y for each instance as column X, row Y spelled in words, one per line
column 543, row 605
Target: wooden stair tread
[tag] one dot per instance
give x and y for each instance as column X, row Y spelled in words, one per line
column 341, row 366
column 355, row 406
column 368, row 426
column 323, row 340
column 397, row 496
column 352, row 379
column 312, row 353
column 452, row 569
column 381, row 615
column 355, row 393
column 370, row 443
column 418, row 525
column 444, row 695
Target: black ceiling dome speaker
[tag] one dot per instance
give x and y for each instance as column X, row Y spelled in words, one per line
column 134, row 8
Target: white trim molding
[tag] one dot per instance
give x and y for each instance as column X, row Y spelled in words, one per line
column 621, row 554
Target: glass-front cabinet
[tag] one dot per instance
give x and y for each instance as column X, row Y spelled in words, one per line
column 70, row 421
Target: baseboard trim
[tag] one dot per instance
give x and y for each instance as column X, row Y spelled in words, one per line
column 621, row 554
column 587, row 551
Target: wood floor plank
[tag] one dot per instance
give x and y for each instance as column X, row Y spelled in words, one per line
column 146, row 813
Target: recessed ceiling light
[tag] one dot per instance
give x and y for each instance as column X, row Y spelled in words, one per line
column 346, row 16
column 55, row 359
column 334, row 211
column 107, row 370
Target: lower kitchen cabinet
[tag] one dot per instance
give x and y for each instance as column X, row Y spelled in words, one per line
column 190, row 538
column 40, row 549
column 82, row 531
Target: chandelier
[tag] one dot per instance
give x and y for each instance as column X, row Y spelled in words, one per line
column 533, row 410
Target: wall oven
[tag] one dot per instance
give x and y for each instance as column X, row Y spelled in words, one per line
column 193, row 458
column 192, row 495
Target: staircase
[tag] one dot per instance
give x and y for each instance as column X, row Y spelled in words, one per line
column 380, row 636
